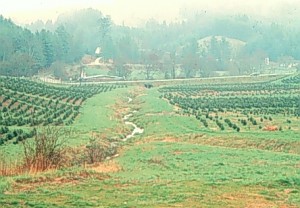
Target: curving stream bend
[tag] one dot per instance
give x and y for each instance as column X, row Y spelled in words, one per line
column 136, row 129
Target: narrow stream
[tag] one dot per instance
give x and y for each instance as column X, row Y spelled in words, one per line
column 136, row 129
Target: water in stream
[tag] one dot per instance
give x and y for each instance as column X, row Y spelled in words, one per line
column 136, row 129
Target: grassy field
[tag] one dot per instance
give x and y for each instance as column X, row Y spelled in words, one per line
column 176, row 162
column 171, row 173
column 99, row 115
column 92, row 71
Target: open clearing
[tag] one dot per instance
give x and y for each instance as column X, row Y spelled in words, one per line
column 178, row 161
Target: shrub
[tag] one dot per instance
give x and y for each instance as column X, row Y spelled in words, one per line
column 97, row 150
column 47, row 150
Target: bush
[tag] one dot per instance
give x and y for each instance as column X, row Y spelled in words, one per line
column 9, row 136
column 47, row 150
column 97, row 150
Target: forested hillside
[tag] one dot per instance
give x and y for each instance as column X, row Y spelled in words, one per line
column 23, row 53
column 156, row 45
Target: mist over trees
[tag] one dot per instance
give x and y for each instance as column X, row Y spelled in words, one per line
column 199, row 45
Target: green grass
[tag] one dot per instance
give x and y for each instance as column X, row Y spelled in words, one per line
column 175, row 162
column 97, row 116
column 91, row 71
column 151, row 103
column 160, row 174
column 159, row 119
column 96, row 113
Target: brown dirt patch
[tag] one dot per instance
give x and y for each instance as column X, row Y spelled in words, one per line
column 270, row 128
column 247, row 200
column 235, row 142
column 252, row 200
column 78, row 102
column 140, row 95
column 107, row 167
column 160, row 114
column 177, row 152
column 170, row 139
column 29, row 184
column 24, row 187
column 232, row 142
column 6, row 103
column 15, row 105
column 120, row 108
column 148, row 148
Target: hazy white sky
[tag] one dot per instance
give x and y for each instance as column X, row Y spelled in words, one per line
column 133, row 12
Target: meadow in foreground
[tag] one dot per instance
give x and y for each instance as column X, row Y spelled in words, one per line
column 178, row 161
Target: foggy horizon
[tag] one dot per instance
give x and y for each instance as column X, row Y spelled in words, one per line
column 135, row 13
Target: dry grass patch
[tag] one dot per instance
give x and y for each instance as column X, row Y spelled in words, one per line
column 110, row 166
column 252, row 200
column 52, row 179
